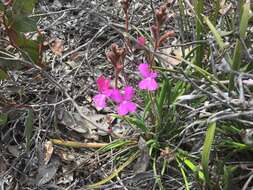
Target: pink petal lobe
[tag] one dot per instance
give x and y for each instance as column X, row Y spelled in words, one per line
column 128, row 93
column 108, row 92
column 152, row 84
column 126, row 107
column 144, row 70
column 148, row 84
column 122, row 109
column 143, row 84
column 116, row 96
column 141, row 41
column 99, row 101
column 131, row 107
column 103, row 84
column 153, row 75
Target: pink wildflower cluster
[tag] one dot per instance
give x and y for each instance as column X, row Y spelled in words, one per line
column 148, row 82
column 123, row 99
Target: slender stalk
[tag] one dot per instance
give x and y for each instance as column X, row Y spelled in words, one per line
column 199, row 8
column 236, row 61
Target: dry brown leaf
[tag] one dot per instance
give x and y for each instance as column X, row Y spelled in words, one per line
column 65, row 156
column 57, row 47
column 48, row 147
column 170, row 61
column 67, row 178
column 47, row 172
column 224, row 8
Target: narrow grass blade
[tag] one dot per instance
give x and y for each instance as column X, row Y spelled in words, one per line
column 236, row 145
column 236, row 62
column 163, row 95
column 3, row 119
column 192, row 166
column 3, row 75
column 216, row 4
column 115, row 173
column 228, row 171
column 29, row 128
column 199, row 8
column 215, row 33
column 207, row 149
column 134, row 121
column 137, row 122
column 157, row 177
column 116, row 144
column 184, row 175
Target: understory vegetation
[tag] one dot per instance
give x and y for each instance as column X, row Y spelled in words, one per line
column 126, row 94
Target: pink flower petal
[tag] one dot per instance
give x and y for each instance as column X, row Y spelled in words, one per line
column 116, row 96
column 131, row 106
column 126, row 107
column 103, row 84
column 141, row 41
column 143, row 84
column 148, row 84
column 144, row 70
column 99, row 101
column 153, row 75
column 121, row 109
column 128, row 93
column 108, row 92
column 152, row 84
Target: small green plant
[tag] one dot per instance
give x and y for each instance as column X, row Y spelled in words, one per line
column 156, row 114
column 20, row 28
column 192, row 117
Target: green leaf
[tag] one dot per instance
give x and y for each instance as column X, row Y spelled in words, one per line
column 164, row 94
column 246, row 15
column 199, row 8
column 192, row 166
column 1, row 6
column 236, row 62
column 3, row 75
column 30, row 47
column 23, row 7
column 24, row 24
column 207, row 149
column 138, row 123
column 29, row 128
column 3, row 118
column 115, row 144
column 9, row 65
column 216, row 34
column 183, row 174
column 228, row 172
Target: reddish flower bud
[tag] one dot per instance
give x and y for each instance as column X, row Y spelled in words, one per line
column 161, row 15
column 125, row 4
column 141, row 41
column 165, row 36
column 155, row 32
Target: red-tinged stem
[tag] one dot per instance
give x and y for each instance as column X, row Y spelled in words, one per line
column 127, row 29
column 116, row 78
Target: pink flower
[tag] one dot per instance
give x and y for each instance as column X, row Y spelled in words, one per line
column 7, row 2
column 104, row 92
column 125, row 105
column 141, row 41
column 148, row 82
